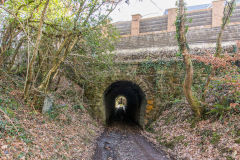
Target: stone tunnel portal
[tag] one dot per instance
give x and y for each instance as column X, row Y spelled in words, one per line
column 135, row 103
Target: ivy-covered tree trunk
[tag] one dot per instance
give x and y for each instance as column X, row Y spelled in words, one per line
column 181, row 37
column 228, row 9
column 187, row 86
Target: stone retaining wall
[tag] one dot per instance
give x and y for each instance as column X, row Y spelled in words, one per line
column 160, row 31
column 194, row 36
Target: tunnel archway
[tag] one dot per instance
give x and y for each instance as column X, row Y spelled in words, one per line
column 134, row 110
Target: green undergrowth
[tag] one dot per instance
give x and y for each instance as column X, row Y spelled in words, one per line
column 61, row 113
column 9, row 122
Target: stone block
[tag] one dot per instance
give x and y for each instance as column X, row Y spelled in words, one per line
column 48, row 103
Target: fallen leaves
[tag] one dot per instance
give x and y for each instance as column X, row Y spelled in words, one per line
column 206, row 140
column 52, row 139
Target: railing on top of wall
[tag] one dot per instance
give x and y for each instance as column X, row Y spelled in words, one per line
column 211, row 17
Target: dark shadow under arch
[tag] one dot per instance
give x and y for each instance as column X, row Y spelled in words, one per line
column 136, row 102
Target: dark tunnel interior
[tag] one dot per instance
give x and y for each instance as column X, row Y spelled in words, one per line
column 135, row 103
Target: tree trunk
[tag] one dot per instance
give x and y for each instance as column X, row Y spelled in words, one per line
column 209, row 78
column 58, row 61
column 5, row 42
column 187, row 86
column 219, row 44
column 29, row 76
column 15, row 54
column 226, row 17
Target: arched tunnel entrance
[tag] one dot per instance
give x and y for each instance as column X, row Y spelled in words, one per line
column 126, row 102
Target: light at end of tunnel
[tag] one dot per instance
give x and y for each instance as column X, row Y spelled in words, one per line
column 120, row 102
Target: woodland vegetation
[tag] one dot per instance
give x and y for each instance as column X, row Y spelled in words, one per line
column 44, row 40
column 37, row 37
column 218, row 62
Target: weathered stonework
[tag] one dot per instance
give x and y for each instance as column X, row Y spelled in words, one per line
column 97, row 97
column 160, row 81
column 169, row 53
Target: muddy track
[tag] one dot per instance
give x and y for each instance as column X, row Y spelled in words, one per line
column 126, row 143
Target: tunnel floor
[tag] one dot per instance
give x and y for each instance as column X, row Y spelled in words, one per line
column 131, row 109
column 123, row 121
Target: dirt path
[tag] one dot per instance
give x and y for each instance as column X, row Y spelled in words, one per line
column 126, row 143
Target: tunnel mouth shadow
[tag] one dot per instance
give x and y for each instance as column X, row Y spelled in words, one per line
column 131, row 112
